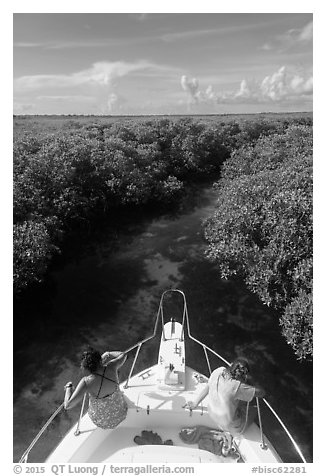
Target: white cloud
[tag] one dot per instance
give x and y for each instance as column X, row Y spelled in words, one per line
column 95, row 87
column 197, row 101
column 291, row 39
column 209, row 92
column 300, row 85
column 298, row 36
column 187, row 35
column 190, row 86
column 22, row 44
column 22, row 108
column 266, row 47
column 99, row 74
column 66, row 98
column 244, row 91
column 274, row 87
column 281, row 86
column 115, row 102
column 306, row 34
column 220, row 31
column 62, row 44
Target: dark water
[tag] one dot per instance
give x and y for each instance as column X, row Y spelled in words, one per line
column 109, row 298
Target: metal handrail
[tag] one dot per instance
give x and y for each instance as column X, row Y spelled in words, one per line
column 77, row 431
column 24, row 457
column 185, row 319
column 140, row 343
column 286, row 430
column 262, row 440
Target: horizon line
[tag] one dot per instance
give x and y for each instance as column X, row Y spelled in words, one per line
column 163, row 114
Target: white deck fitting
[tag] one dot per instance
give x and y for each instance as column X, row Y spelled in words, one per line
column 171, row 360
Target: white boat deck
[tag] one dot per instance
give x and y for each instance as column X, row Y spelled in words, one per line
column 156, row 397
column 160, row 411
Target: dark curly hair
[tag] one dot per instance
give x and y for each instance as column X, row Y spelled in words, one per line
column 90, row 359
column 238, row 370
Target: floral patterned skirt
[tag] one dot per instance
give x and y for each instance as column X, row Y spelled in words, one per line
column 108, row 412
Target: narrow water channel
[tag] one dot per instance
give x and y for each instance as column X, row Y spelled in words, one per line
column 110, row 299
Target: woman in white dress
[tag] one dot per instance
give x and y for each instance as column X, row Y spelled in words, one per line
column 228, row 394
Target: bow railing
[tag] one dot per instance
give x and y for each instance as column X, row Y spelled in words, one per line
column 25, row 455
column 206, row 350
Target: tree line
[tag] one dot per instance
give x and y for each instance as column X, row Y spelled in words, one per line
column 83, row 173
column 262, row 229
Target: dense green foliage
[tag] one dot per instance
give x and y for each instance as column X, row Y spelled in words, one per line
column 262, row 228
column 82, row 173
column 74, row 176
column 32, row 251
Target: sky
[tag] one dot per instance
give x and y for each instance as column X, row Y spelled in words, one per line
column 162, row 63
